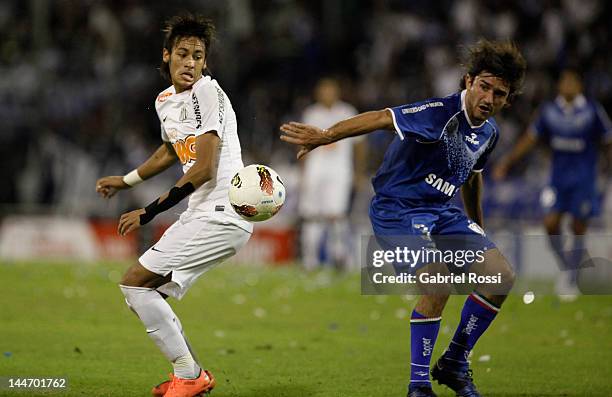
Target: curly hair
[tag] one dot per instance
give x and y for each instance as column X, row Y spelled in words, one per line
column 502, row 59
column 188, row 25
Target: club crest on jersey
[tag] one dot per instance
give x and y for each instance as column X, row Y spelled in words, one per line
column 183, row 115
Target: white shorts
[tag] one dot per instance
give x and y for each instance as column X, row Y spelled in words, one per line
column 194, row 244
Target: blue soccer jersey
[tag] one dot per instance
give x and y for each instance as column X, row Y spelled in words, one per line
column 434, row 152
column 573, row 132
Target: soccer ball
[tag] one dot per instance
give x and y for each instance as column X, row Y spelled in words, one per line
column 256, row 192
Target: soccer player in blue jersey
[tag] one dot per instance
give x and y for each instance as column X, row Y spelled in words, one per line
column 574, row 128
column 441, row 146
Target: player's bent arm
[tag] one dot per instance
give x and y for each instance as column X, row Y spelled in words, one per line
column 203, row 170
column 159, row 161
column 471, row 193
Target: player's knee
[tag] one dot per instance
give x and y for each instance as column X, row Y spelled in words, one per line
column 131, row 277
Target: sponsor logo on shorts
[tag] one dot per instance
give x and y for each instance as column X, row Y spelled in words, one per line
column 475, row 228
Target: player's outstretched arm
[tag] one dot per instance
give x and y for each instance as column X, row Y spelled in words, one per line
column 202, row 170
column 159, row 161
column 310, row 137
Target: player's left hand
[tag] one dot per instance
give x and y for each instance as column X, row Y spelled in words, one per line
column 307, row 136
column 129, row 221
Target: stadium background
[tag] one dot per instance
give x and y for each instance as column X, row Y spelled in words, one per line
column 77, row 84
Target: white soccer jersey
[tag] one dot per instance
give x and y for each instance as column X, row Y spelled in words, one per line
column 328, row 170
column 338, row 156
column 184, row 116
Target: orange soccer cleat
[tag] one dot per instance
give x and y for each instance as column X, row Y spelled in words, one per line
column 162, row 388
column 180, row 387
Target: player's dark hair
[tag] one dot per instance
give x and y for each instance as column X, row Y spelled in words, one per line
column 502, row 59
column 187, row 25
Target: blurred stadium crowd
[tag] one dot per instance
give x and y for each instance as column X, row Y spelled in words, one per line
column 78, row 80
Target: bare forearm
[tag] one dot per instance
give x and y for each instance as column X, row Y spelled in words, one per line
column 361, row 124
column 159, row 161
column 471, row 193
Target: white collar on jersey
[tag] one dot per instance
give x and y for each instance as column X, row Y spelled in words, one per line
column 578, row 102
column 467, row 117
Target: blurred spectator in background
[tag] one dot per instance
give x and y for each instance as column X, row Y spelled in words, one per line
column 574, row 128
column 326, row 183
column 60, row 85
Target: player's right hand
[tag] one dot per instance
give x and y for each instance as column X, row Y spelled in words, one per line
column 308, row 137
column 108, row 186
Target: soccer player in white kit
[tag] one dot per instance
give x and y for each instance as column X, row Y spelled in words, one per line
column 198, row 128
column 326, row 181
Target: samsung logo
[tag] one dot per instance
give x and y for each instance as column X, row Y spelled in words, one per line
column 440, row 184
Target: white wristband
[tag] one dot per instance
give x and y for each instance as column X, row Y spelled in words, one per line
column 132, row 178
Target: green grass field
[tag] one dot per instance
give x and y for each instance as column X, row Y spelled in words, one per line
column 279, row 332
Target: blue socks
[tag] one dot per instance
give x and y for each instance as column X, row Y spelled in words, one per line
column 423, row 334
column 476, row 316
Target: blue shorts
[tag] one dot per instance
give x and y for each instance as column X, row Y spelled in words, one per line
column 442, row 227
column 582, row 202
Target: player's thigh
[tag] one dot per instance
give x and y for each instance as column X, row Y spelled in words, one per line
column 139, row 276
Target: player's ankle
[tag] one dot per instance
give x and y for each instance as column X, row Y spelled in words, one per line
column 186, row 368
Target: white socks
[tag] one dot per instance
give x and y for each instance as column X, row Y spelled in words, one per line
column 163, row 327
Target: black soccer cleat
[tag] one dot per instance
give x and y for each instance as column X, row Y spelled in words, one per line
column 457, row 379
column 421, row 391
